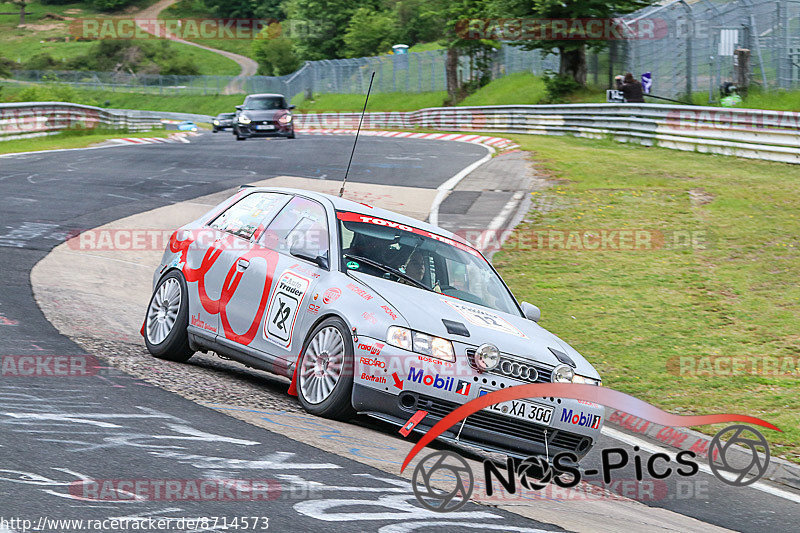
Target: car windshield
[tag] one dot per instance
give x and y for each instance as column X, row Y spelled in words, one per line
column 416, row 257
column 265, row 103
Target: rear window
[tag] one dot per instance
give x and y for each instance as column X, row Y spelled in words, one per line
column 245, row 216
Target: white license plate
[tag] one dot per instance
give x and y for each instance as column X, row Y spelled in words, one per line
column 527, row 411
column 265, row 127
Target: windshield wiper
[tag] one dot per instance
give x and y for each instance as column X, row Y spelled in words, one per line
column 388, row 269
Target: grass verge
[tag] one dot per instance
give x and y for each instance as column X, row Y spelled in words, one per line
column 71, row 140
column 377, row 101
column 208, row 105
column 733, row 293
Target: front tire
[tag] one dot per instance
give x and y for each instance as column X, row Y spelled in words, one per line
column 325, row 371
column 167, row 318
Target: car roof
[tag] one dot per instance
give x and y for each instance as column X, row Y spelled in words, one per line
column 343, row 204
column 264, row 95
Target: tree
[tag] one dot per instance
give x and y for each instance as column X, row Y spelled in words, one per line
column 321, row 35
column 572, row 53
column 417, row 22
column 370, row 32
column 274, row 52
column 453, row 12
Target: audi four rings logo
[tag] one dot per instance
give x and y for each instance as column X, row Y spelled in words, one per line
column 519, row 370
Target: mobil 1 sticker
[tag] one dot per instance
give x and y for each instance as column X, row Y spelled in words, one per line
column 282, row 311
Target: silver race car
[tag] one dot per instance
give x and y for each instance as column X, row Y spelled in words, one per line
column 367, row 311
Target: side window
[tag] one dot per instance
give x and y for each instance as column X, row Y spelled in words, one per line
column 245, row 216
column 301, row 225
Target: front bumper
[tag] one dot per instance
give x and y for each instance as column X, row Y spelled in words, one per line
column 376, row 393
column 251, row 130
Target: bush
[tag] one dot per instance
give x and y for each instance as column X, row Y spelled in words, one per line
column 51, row 93
column 147, row 57
column 111, row 5
column 180, row 66
column 6, row 65
column 557, row 87
column 42, row 61
column 275, row 53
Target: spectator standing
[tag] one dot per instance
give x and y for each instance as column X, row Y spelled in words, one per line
column 631, row 89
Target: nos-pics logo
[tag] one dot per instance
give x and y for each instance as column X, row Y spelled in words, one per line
column 443, row 481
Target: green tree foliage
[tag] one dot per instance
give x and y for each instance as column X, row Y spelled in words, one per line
column 370, row 32
column 572, row 52
column 274, row 52
column 324, row 25
column 418, row 21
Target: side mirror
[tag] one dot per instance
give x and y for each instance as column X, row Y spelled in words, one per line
column 531, row 311
column 292, row 106
column 239, row 107
column 297, row 250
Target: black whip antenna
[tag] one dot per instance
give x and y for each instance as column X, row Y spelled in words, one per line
column 360, row 120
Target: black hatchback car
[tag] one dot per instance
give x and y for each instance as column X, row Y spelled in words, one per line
column 223, row 121
column 263, row 115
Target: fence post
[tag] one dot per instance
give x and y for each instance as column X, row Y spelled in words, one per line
column 689, row 66
column 419, row 74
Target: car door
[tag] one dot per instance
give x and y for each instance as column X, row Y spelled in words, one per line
column 299, row 235
column 231, row 290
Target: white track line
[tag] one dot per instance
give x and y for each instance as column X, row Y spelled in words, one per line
column 444, row 189
column 653, row 448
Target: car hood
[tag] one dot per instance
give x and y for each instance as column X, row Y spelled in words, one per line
column 424, row 311
column 270, row 114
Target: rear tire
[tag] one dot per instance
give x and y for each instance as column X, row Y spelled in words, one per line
column 325, row 371
column 167, row 319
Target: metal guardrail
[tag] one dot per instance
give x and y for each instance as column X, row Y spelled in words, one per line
column 34, row 119
column 750, row 133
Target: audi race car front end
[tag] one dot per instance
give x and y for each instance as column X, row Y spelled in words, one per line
column 465, row 336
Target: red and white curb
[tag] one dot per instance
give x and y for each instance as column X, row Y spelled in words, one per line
column 500, row 143
column 173, row 138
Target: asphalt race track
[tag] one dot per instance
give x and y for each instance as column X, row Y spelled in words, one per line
column 55, row 431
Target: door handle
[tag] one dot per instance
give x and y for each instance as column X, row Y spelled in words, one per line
column 242, row 264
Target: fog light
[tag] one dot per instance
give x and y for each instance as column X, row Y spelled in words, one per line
column 487, row 356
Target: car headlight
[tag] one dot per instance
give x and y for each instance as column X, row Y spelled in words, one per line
column 585, row 381
column 216, row 122
column 486, row 357
column 421, row 343
column 400, row 337
column 244, row 119
column 563, row 374
column 285, row 119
